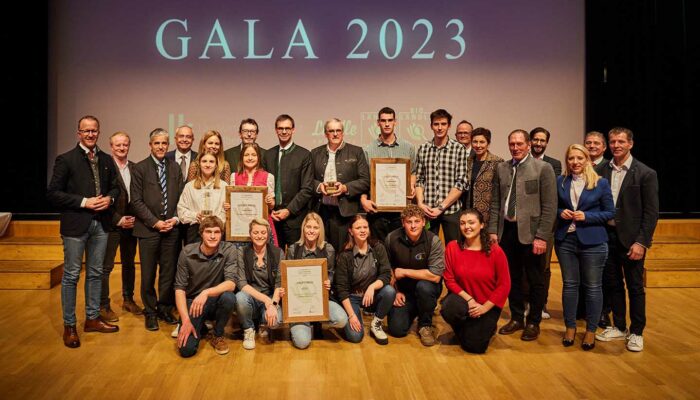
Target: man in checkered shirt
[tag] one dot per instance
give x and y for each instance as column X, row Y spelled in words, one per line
column 441, row 177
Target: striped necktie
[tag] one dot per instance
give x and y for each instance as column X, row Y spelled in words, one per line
column 163, row 188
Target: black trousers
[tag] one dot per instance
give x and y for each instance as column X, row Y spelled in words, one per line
column 158, row 251
column 521, row 261
column 126, row 242
column 473, row 334
column 289, row 230
column 382, row 223
column 619, row 272
column 335, row 225
column 450, row 226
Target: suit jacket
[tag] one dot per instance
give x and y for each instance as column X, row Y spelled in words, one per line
column 556, row 164
column 597, row 205
column 171, row 156
column 351, row 170
column 233, row 155
column 599, row 168
column 637, row 207
column 295, row 179
column 146, row 196
column 536, row 196
column 72, row 180
column 122, row 205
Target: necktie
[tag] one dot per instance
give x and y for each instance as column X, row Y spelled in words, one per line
column 183, row 167
column 91, row 154
column 95, row 170
column 511, row 198
column 163, row 188
column 278, row 180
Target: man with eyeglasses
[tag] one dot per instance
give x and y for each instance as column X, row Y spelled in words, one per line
column 464, row 135
column 248, row 131
column 340, row 176
column 83, row 187
column 291, row 166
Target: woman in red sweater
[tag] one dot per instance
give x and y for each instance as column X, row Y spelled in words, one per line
column 476, row 275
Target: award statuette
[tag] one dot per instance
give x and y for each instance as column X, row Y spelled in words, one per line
column 390, row 183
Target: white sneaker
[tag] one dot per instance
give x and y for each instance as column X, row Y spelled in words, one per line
column 545, row 314
column 635, row 342
column 378, row 332
column 209, row 325
column 249, row 339
column 175, row 331
column 610, row 333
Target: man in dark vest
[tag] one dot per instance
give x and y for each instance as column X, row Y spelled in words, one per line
column 417, row 261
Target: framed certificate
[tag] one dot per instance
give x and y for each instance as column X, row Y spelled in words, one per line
column 305, row 299
column 390, row 183
column 247, row 203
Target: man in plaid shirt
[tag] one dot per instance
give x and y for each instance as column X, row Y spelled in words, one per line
column 441, row 177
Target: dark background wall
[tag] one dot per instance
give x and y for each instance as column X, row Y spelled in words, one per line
column 640, row 73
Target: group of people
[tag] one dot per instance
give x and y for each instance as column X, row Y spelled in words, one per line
column 500, row 221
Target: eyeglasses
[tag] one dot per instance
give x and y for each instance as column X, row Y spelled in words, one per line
column 88, row 131
column 284, row 129
column 249, row 131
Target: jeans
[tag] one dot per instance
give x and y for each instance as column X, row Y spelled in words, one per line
column 126, row 242
column 617, row 268
column 473, row 334
column 251, row 309
column 383, row 301
column 581, row 265
column 521, row 261
column 301, row 332
column 93, row 244
column 450, row 226
column 420, row 303
column 217, row 308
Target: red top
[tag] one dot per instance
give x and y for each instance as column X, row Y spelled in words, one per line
column 482, row 277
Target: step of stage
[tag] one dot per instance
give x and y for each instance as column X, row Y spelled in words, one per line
column 42, row 248
column 670, row 247
column 23, row 274
column 675, row 273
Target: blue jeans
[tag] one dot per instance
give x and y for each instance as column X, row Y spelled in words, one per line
column 217, row 308
column 250, row 309
column 420, row 303
column 383, row 301
column 581, row 265
column 301, row 332
column 93, row 244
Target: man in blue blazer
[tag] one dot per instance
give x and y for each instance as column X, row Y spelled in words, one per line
column 83, row 187
column 635, row 190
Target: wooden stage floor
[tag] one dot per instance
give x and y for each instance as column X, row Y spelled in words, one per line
column 135, row 363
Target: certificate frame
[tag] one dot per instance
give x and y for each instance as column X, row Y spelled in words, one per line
column 315, row 269
column 374, row 178
column 234, row 196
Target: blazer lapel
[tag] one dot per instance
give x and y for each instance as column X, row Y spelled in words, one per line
column 585, row 193
column 566, row 188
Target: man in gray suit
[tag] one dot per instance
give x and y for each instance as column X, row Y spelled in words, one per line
column 523, row 211
column 340, row 176
column 155, row 190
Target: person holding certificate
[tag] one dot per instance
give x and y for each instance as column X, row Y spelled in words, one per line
column 362, row 280
column 313, row 245
column 203, row 196
column 251, row 173
column 211, row 143
column 478, row 280
column 260, row 282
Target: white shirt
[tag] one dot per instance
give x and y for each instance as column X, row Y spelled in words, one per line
column 618, row 175
column 577, row 186
column 287, row 147
column 597, row 161
column 126, row 177
column 330, row 175
column 188, row 159
column 193, row 201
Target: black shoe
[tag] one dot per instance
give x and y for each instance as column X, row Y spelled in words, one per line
column 152, row 322
column 588, row 346
column 604, row 321
column 317, row 330
column 531, row 332
column 167, row 317
column 511, row 327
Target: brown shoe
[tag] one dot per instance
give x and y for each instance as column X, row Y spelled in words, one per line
column 427, row 338
column 511, row 327
column 219, row 345
column 108, row 315
column 70, row 336
column 131, row 306
column 98, row 325
column 530, row 333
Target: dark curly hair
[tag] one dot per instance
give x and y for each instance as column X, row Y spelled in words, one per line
column 483, row 234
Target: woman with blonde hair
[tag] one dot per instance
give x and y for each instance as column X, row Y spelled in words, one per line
column 312, row 244
column 211, row 143
column 581, row 240
column 202, row 196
